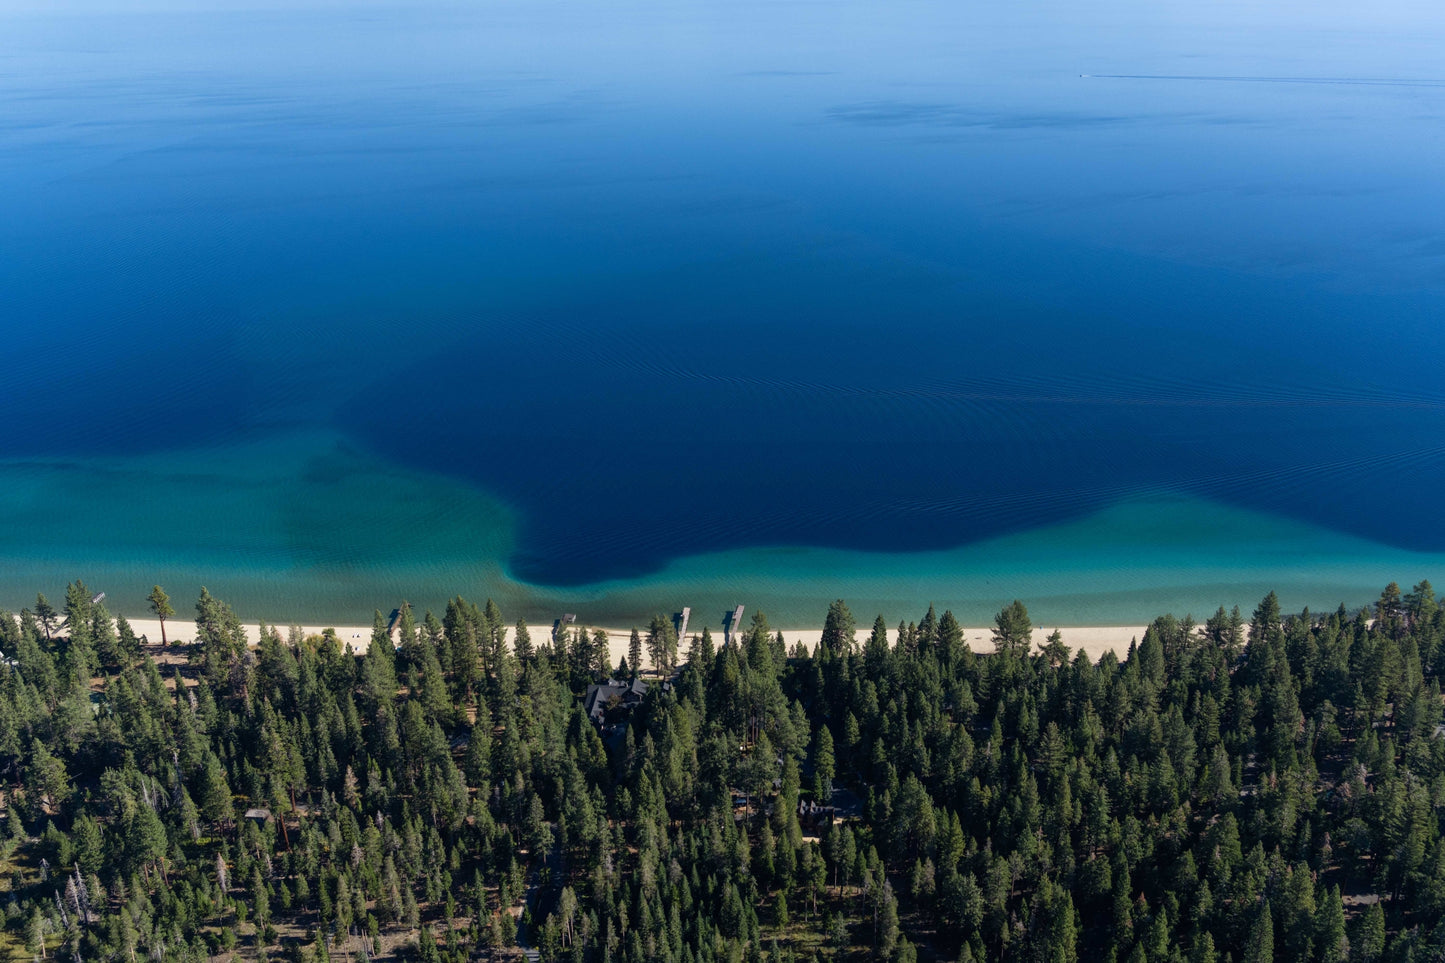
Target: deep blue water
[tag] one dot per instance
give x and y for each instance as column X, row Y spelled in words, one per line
column 668, row 279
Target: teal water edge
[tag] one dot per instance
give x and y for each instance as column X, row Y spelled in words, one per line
column 1117, row 308
column 314, row 530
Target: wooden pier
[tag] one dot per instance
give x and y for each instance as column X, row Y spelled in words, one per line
column 731, row 623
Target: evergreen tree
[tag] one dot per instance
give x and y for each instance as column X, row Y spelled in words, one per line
column 46, row 615
column 838, row 629
column 215, row 792
column 1013, row 632
column 1174, row 804
column 522, row 641
column 823, row 765
column 1368, row 943
column 875, row 650
column 1332, row 945
column 1260, row 948
column 160, row 604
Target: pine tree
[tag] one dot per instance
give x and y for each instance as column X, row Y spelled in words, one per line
column 838, row 629
column 1057, row 923
column 1368, row 943
column 45, row 613
column 823, row 765
column 522, row 641
column 1260, row 946
column 461, row 626
column 1013, row 632
column 703, row 657
column 160, row 604
column 875, row 650
column 147, row 838
column 46, row 775
column 1331, row 942
column 661, row 643
column 886, row 917
column 406, row 636
column 951, row 645
column 128, row 645
column 215, row 792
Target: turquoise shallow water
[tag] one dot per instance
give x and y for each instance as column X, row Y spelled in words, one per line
column 309, row 528
column 611, row 309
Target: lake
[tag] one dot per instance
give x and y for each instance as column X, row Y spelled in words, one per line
column 1118, row 308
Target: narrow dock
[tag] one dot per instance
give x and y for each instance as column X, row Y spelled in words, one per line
column 731, row 623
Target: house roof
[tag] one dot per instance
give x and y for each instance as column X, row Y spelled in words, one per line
column 597, row 698
column 601, row 694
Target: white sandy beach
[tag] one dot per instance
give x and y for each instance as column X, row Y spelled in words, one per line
column 1094, row 640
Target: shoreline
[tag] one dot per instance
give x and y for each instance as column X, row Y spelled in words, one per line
column 1095, row 640
column 1147, row 554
